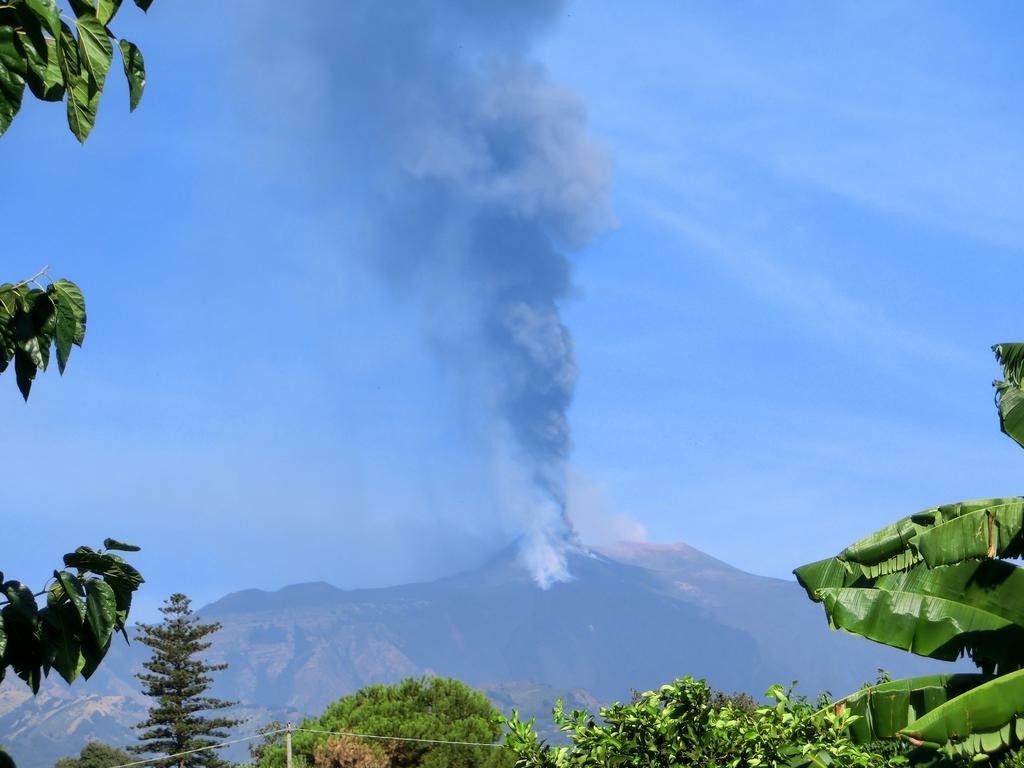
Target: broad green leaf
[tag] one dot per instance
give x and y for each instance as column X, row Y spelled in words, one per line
column 30, row 38
column 42, row 70
column 884, row 710
column 25, row 372
column 1011, row 358
column 70, row 319
column 940, row 613
column 23, row 653
column 1010, row 405
column 119, row 546
column 134, row 71
column 96, row 50
column 10, row 53
column 82, row 100
column 106, row 10
column 940, row 535
column 3, row 638
column 83, row 7
column 44, row 77
column 100, row 610
column 47, row 12
column 12, row 80
column 61, row 640
column 71, row 589
column 104, row 564
column 20, row 598
column 5, row 760
column 977, row 719
column 93, row 654
column 8, row 300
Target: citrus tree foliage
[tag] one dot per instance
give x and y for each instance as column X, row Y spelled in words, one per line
column 684, row 724
column 36, row 318
column 86, row 603
column 940, row 583
column 63, row 58
column 177, row 680
column 427, row 708
column 95, row 755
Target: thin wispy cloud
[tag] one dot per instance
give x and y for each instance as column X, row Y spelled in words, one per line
column 813, row 301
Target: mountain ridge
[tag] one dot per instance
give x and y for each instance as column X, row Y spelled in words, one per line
column 633, row 616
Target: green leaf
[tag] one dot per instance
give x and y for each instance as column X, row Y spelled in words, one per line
column 975, row 720
column 96, row 50
column 83, row 7
column 119, row 546
column 134, row 71
column 70, row 319
column 12, row 81
column 70, row 588
column 92, row 654
column 1011, row 358
column 25, row 372
column 981, row 528
column 100, row 610
column 23, row 651
column 106, row 11
column 44, row 77
column 885, row 709
column 61, row 640
column 103, row 564
column 21, row 599
column 5, row 760
column 47, row 12
column 1010, row 405
column 972, row 607
column 82, row 99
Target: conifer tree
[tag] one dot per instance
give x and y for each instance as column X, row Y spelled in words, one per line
column 178, row 680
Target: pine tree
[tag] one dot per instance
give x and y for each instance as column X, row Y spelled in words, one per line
column 178, row 680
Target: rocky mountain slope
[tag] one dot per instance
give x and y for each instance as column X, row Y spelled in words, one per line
column 634, row 616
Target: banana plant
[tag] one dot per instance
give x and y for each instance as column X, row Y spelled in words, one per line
column 938, row 584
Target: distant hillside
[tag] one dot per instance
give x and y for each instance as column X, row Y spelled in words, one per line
column 634, row 616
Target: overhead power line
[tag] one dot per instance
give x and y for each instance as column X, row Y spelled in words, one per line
column 290, row 729
column 221, row 745
column 402, row 738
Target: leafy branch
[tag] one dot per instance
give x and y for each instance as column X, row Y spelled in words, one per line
column 39, row 47
column 35, row 318
column 85, row 604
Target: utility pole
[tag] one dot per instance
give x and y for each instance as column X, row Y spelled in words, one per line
column 288, row 746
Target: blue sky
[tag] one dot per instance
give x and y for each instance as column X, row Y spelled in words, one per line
column 782, row 333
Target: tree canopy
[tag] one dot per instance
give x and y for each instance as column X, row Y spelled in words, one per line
column 426, row 708
column 95, row 755
column 177, row 680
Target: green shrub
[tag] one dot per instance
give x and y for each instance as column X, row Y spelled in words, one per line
column 686, row 724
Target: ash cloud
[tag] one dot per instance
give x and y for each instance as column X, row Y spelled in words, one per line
column 476, row 178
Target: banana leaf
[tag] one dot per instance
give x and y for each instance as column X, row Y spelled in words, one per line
column 1011, row 358
column 973, row 608
column 1009, row 394
column 984, row 719
column 982, row 528
column 885, row 709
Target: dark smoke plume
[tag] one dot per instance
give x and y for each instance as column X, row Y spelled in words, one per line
column 476, row 176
